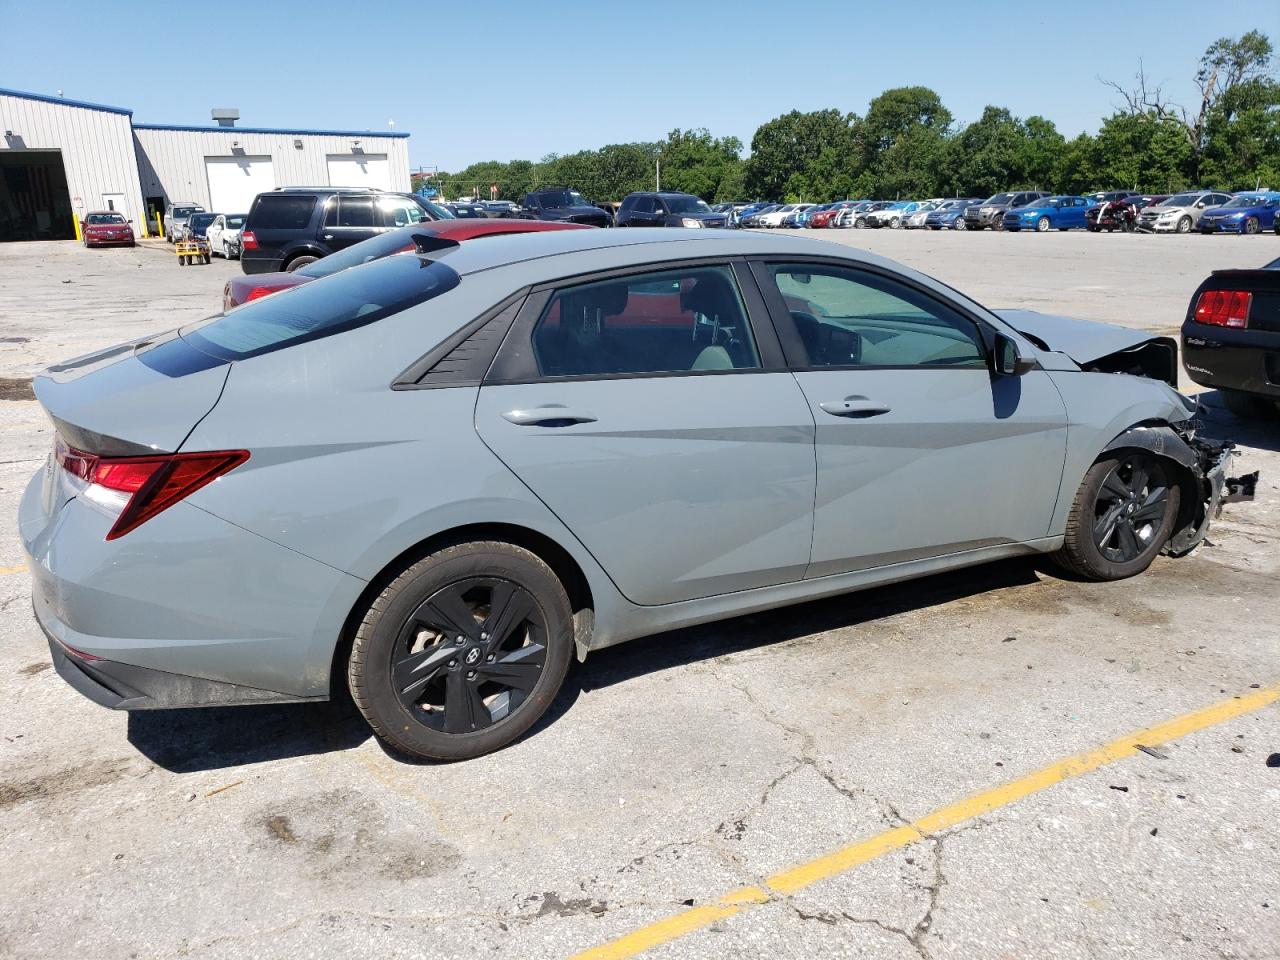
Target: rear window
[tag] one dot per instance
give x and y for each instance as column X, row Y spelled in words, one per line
column 375, row 248
column 282, row 212
column 347, row 300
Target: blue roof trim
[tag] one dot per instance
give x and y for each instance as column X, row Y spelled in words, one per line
column 64, row 102
column 234, row 130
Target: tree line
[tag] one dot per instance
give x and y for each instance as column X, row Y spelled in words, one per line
column 908, row 144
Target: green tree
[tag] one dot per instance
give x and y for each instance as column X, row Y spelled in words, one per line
column 695, row 162
column 789, row 146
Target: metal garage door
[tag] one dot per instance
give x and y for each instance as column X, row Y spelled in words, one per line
column 359, row 170
column 235, row 181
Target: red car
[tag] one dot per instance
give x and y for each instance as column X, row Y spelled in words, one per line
column 106, row 228
column 252, row 286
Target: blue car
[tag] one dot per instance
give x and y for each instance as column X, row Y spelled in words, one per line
column 950, row 216
column 1049, row 213
column 1243, row 213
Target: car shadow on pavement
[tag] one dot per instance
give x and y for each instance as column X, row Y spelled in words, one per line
column 709, row 641
column 210, row 738
column 1221, row 424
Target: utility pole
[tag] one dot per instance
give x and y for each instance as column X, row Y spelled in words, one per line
column 657, row 175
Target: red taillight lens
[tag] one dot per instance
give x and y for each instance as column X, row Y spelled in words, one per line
column 1224, row 308
column 248, row 241
column 258, row 292
column 153, row 483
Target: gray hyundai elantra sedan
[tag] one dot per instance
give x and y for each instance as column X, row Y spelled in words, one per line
column 437, row 477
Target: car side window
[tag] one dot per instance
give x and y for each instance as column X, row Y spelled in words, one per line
column 852, row 318
column 355, row 211
column 399, row 211
column 684, row 320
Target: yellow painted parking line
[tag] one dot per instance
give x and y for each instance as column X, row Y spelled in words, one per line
column 16, row 568
column 846, row 858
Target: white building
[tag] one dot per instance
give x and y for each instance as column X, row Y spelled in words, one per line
column 62, row 158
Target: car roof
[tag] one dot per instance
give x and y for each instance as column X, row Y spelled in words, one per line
column 537, row 257
column 94, row 213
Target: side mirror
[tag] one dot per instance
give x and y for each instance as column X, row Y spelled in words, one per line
column 1007, row 361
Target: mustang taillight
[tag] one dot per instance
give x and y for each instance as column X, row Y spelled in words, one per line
column 248, row 241
column 151, row 484
column 1224, row 308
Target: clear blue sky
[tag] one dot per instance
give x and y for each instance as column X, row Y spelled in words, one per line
column 483, row 80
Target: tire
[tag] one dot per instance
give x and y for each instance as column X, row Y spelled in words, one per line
column 1184, row 225
column 1247, row 406
column 895, row 223
column 1042, row 225
column 997, row 224
column 959, row 224
column 1122, row 515
column 1094, row 229
column 207, row 258
column 1251, row 225
column 419, row 627
column 297, row 262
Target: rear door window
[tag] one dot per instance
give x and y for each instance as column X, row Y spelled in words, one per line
column 399, row 211
column 347, row 300
column 682, row 320
column 283, row 212
column 355, row 211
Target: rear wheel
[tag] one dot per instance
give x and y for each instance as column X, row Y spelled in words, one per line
column 463, row 651
column 297, row 262
column 1122, row 515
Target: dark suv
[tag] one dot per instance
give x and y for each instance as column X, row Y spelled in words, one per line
column 562, row 204
column 668, row 210
column 990, row 213
column 290, row 227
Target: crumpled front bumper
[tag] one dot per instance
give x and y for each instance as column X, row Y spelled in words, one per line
column 1213, row 460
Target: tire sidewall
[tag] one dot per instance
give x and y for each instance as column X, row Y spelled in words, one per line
column 370, row 667
column 1098, row 566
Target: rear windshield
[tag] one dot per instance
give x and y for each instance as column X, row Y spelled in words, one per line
column 375, row 248
column 344, row 301
column 282, row 212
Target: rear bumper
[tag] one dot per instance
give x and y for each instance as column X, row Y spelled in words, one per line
column 1244, row 360
column 186, row 610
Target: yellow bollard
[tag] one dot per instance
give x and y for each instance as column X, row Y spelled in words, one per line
column 159, row 226
column 75, row 219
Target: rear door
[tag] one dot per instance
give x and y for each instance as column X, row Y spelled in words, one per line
column 652, row 413
column 349, row 219
column 921, row 451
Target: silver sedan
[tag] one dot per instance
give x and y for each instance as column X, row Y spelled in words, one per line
column 436, row 478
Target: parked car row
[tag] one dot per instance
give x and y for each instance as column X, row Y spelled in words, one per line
column 1206, row 211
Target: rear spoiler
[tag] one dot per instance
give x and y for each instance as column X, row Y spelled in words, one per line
column 425, row 244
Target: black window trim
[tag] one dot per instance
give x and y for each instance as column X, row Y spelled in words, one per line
column 793, row 346
column 515, row 363
column 505, row 311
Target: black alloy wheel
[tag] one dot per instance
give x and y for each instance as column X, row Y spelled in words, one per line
column 1122, row 516
column 469, row 655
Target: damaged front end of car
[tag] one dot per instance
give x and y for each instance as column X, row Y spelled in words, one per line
column 1205, row 484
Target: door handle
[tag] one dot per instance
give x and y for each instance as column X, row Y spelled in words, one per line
column 328, row 236
column 855, row 407
column 549, row 415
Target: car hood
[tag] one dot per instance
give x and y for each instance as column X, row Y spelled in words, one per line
column 1229, row 211
column 1084, row 341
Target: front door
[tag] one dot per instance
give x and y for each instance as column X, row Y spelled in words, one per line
column 921, row 451
column 659, row 424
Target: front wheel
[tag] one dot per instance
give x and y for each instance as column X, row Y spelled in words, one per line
column 463, row 651
column 959, row 224
column 1251, row 225
column 1184, row 225
column 1123, row 514
column 1042, row 225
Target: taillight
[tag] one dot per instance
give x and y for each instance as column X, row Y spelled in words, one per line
column 258, row 292
column 1224, row 308
column 248, row 241
column 152, row 484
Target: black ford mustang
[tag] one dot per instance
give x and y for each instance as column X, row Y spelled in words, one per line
column 1231, row 338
